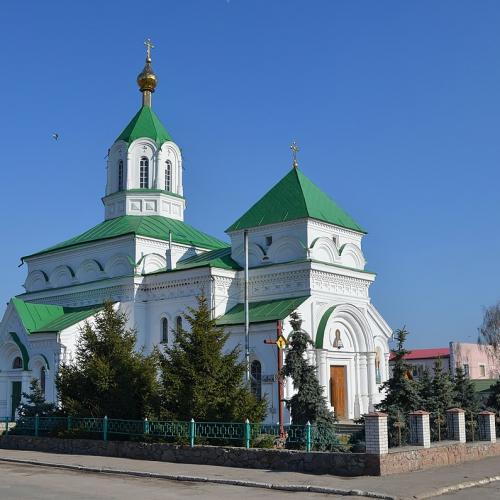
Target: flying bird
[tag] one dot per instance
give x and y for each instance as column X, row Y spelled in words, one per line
column 55, row 136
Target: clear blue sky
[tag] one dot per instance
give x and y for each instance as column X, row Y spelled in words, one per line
column 395, row 105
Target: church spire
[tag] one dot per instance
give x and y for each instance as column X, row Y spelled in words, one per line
column 295, row 148
column 147, row 80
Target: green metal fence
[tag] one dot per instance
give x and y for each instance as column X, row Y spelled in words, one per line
column 308, row 437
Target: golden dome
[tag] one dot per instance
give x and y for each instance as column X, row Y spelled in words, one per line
column 146, row 79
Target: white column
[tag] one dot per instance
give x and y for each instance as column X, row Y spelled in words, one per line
column 387, row 372
column 420, row 432
column 455, row 418
column 321, row 370
column 372, row 381
column 363, row 383
column 357, row 389
column 487, row 432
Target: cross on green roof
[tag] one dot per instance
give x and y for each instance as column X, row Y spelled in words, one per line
column 295, row 197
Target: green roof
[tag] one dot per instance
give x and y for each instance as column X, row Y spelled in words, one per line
column 295, row 197
column 483, row 385
column 45, row 318
column 152, row 226
column 261, row 312
column 145, row 124
column 216, row 258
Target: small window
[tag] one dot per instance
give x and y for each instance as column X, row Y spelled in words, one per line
column 482, row 371
column 42, row 379
column 168, row 175
column 466, row 370
column 164, row 331
column 178, row 323
column 256, row 379
column 144, row 173
column 120, row 175
column 17, row 363
column 269, row 241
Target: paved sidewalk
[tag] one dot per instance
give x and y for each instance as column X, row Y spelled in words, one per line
column 422, row 484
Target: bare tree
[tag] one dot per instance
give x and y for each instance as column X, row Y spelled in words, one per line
column 489, row 331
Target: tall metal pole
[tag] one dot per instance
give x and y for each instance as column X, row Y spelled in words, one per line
column 281, row 395
column 247, row 314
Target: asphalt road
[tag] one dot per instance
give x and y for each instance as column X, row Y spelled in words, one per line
column 23, row 482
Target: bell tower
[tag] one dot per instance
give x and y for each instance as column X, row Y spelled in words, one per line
column 144, row 168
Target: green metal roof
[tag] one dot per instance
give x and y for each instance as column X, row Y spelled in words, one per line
column 294, row 197
column 152, row 226
column 216, row 258
column 145, row 124
column 44, row 318
column 483, row 385
column 261, row 312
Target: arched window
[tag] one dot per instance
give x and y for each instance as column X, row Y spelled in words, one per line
column 178, row 323
column 120, row 175
column 17, row 363
column 144, row 173
column 168, row 175
column 164, row 330
column 256, row 379
column 42, row 379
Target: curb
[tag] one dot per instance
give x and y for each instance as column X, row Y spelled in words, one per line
column 200, row 479
column 457, row 487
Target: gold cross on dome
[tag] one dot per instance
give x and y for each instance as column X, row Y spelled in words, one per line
column 149, row 45
column 295, row 149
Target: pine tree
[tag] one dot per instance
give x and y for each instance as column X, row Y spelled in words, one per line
column 465, row 395
column 34, row 403
column 401, row 393
column 493, row 402
column 200, row 379
column 108, row 376
column 308, row 404
column 425, row 389
column 443, row 390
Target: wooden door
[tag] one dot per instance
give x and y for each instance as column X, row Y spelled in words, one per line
column 15, row 398
column 338, row 390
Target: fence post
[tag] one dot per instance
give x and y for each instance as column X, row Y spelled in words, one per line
column 105, row 428
column 146, row 426
column 70, row 423
column 376, row 433
column 308, row 436
column 37, row 422
column 192, row 432
column 487, row 426
column 420, row 433
column 247, row 433
column 6, row 426
column 455, row 418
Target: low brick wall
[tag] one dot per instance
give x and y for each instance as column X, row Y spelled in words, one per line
column 409, row 459
column 340, row 464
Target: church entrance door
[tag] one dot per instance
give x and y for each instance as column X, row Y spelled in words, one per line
column 15, row 398
column 338, row 390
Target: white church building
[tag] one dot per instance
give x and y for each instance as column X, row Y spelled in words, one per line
column 304, row 254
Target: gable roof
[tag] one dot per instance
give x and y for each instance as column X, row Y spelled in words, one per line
column 152, row 226
column 47, row 318
column 145, row 123
column 215, row 258
column 294, row 197
column 440, row 352
column 261, row 312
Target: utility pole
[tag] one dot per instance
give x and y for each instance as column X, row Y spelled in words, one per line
column 280, row 343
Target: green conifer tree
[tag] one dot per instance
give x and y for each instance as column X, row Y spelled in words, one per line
column 493, row 402
column 200, row 379
column 308, row 404
column 108, row 375
column 401, row 393
column 34, row 403
column 425, row 389
column 465, row 395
